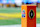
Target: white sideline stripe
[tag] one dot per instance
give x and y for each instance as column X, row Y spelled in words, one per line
column 38, row 25
column 18, row 25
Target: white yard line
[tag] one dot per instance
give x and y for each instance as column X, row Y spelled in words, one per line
column 38, row 25
column 18, row 25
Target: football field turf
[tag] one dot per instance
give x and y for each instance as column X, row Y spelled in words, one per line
column 10, row 16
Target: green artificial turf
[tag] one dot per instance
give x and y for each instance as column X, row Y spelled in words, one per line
column 10, row 21
column 14, row 20
column 10, row 10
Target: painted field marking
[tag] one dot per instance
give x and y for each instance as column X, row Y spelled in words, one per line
column 14, row 15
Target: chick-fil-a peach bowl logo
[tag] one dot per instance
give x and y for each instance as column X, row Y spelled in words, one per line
column 23, row 13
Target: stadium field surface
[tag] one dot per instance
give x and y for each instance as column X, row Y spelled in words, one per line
column 10, row 16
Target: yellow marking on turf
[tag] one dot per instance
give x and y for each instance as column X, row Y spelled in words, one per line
column 3, row 18
column 37, row 15
column 14, row 15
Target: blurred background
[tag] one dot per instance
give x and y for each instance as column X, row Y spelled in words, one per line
column 10, row 12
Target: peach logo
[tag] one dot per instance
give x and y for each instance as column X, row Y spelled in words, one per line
column 23, row 13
